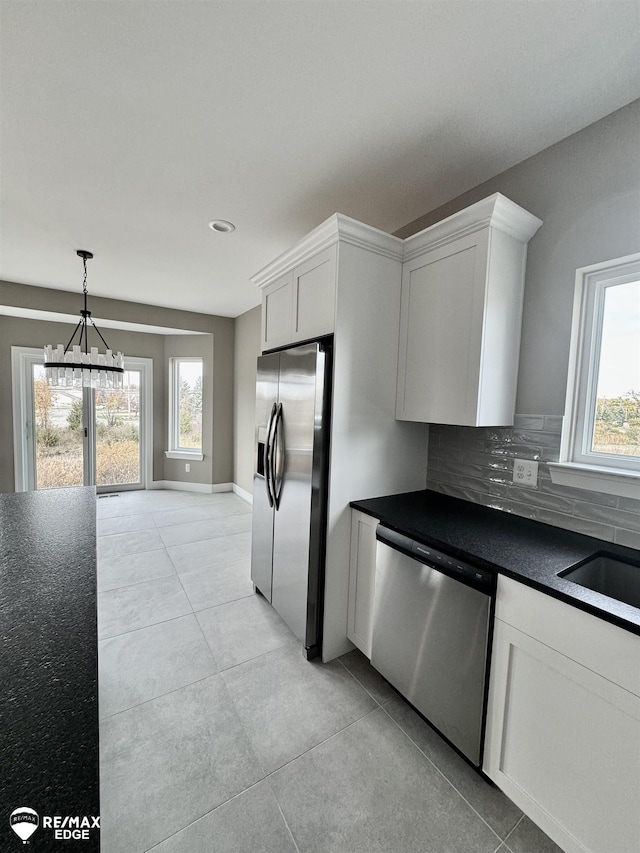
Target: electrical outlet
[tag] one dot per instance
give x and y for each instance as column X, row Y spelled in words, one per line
column 187, row 467
column 525, row 473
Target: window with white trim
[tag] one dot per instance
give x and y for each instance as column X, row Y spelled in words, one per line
column 601, row 435
column 185, row 408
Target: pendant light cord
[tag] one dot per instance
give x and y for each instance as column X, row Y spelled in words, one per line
column 86, row 313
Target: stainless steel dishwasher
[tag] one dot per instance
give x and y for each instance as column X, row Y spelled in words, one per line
column 431, row 628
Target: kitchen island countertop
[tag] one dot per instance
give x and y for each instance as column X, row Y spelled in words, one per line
column 527, row 551
column 48, row 662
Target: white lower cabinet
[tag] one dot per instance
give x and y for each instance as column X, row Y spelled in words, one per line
column 563, row 723
column 362, row 569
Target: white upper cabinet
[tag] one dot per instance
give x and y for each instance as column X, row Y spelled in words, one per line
column 313, row 296
column 276, row 312
column 461, row 309
column 300, row 304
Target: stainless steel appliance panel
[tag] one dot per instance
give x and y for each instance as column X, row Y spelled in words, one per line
column 430, row 636
column 296, row 457
column 262, row 525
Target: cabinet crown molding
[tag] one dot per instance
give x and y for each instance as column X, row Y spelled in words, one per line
column 337, row 227
column 496, row 211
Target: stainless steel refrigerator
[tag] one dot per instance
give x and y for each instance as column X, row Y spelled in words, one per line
column 293, row 400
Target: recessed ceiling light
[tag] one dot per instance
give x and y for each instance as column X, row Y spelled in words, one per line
column 221, row 226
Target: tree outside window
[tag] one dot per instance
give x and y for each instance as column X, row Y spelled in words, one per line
column 616, row 428
column 186, row 414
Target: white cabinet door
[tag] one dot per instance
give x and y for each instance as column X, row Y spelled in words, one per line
column 314, row 296
column 300, row 305
column 276, row 312
column 462, row 288
column 441, row 324
column 362, row 568
column 563, row 740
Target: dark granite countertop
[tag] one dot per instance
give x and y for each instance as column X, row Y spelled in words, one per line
column 48, row 663
column 528, row 551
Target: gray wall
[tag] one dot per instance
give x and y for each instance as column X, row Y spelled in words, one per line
column 14, row 332
column 586, row 189
column 247, row 350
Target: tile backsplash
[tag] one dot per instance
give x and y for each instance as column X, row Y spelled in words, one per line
column 476, row 464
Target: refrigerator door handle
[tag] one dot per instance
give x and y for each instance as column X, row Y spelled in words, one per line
column 267, row 455
column 273, row 458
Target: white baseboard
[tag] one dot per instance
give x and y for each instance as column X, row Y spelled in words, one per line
column 222, row 487
column 203, row 488
column 243, row 493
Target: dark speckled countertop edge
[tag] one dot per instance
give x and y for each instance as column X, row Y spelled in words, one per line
column 48, row 661
column 530, row 552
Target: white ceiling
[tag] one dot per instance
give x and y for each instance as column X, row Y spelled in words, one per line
column 127, row 126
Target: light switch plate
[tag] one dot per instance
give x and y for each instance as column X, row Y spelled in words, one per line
column 525, row 473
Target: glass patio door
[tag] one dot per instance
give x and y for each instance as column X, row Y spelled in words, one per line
column 117, row 429
column 81, row 436
column 58, row 430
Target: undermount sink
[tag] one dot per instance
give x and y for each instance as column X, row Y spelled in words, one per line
column 609, row 576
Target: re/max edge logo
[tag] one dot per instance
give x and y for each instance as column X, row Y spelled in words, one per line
column 69, row 828
column 25, row 821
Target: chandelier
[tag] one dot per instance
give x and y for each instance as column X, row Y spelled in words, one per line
column 78, row 367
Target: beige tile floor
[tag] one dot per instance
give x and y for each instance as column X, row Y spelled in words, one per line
column 217, row 736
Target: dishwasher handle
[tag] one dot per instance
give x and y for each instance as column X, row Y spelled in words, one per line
column 460, row 570
column 395, row 540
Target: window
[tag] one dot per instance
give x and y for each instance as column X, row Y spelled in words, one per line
column 185, row 408
column 601, row 434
